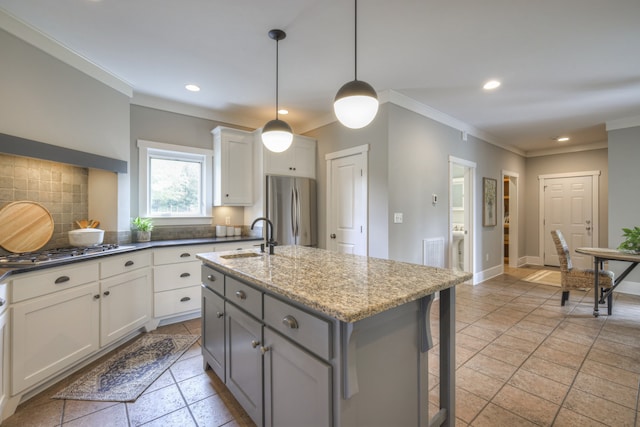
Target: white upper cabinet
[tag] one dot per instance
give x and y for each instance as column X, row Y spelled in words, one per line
column 298, row 160
column 232, row 167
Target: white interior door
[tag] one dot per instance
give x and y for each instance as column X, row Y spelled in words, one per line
column 569, row 207
column 347, row 204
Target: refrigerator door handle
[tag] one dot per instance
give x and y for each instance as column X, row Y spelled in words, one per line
column 298, row 209
column 293, row 211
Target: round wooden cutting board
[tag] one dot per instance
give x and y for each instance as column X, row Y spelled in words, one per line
column 25, row 226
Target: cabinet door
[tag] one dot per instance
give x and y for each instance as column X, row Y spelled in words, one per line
column 279, row 163
column 46, row 338
column 126, row 304
column 244, row 361
column 297, row 385
column 233, row 162
column 213, row 335
column 298, row 160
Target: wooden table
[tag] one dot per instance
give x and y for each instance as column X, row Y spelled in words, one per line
column 605, row 254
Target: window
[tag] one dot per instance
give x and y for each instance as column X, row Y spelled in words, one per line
column 175, row 183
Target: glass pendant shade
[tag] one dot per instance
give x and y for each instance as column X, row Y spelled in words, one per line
column 356, row 104
column 277, row 136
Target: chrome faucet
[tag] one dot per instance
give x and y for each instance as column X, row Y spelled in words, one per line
column 268, row 241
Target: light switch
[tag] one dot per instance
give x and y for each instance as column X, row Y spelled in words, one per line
column 397, row 218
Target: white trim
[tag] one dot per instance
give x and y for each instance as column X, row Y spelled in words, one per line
column 207, row 182
column 628, row 122
column 490, row 273
column 347, row 152
column 569, row 149
column 469, row 213
column 38, row 39
column 595, row 205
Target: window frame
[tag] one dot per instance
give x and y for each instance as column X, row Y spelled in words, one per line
column 149, row 149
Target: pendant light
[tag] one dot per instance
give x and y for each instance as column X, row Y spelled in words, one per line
column 356, row 103
column 277, row 134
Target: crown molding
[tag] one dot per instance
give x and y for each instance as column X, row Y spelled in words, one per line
column 569, row 149
column 628, row 122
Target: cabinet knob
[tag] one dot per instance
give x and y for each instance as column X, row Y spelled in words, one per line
column 96, row 296
column 211, row 278
column 128, row 263
column 255, row 343
column 106, row 293
column 185, row 299
column 219, row 314
column 332, row 235
column 241, row 295
column 226, row 195
column 183, row 275
column 62, row 279
column 290, row 322
column 263, row 349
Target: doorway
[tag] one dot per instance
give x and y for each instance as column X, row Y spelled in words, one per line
column 569, row 203
column 510, row 217
column 461, row 179
column 347, row 201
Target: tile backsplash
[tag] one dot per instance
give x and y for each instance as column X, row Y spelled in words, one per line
column 60, row 188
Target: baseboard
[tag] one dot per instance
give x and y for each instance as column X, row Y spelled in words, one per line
column 488, row 274
column 628, row 287
column 533, row 260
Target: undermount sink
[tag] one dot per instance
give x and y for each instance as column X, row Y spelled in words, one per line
column 242, row 255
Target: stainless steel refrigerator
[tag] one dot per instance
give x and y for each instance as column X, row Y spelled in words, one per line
column 291, row 206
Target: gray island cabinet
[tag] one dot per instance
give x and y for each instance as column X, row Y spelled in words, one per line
column 306, row 337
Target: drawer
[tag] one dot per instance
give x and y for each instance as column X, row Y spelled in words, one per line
column 53, row 280
column 212, row 279
column 304, row 328
column 244, row 296
column 4, row 299
column 177, row 301
column 176, row 276
column 114, row 265
column 178, row 254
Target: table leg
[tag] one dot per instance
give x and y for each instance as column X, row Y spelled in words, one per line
column 596, row 285
column 448, row 355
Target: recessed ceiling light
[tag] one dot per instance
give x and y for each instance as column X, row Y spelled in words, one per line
column 491, row 84
column 562, row 138
column 283, row 111
column 192, row 88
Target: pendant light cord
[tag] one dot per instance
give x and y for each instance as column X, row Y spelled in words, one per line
column 355, row 40
column 277, row 73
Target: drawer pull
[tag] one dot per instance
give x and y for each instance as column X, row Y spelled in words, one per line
column 128, row 263
column 211, row 278
column 255, row 343
column 241, row 295
column 185, row 275
column 106, row 293
column 185, row 299
column 185, row 255
column 62, row 279
column 219, row 314
column 290, row 322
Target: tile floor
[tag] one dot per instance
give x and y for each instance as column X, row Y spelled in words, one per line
column 522, row 360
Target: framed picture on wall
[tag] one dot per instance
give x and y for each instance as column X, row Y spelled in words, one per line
column 489, row 202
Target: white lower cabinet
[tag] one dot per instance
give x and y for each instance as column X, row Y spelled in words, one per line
column 125, row 304
column 4, row 348
column 52, row 332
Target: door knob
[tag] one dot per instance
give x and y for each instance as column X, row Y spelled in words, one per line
column 333, row 235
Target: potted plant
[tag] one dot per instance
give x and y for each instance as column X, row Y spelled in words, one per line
column 632, row 240
column 143, row 228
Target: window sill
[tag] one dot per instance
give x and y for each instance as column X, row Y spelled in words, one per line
column 164, row 221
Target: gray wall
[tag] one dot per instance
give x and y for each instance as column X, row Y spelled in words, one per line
column 624, row 192
column 593, row 160
column 45, row 100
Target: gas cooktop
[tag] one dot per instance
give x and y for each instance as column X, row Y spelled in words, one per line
column 58, row 255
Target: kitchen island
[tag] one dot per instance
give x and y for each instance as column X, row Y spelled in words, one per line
column 311, row 337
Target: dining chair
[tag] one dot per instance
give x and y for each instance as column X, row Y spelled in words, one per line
column 577, row 278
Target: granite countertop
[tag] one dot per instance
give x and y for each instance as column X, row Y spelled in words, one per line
column 346, row 287
column 129, row 247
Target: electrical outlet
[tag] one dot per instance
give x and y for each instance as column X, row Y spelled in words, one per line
column 486, row 257
column 227, row 220
column 397, row 218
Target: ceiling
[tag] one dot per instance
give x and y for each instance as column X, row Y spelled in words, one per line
column 567, row 67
